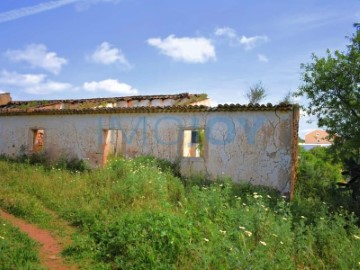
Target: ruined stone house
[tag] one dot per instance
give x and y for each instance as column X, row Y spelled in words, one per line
column 254, row 143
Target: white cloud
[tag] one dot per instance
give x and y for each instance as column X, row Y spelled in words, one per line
column 110, row 85
column 186, row 49
column 314, row 19
column 106, row 54
column 23, row 80
column 48, row 87
column 33, row 83
column 38, row 56
column 225, row 31
column 248, row 42
column 46, row 6
column 262, row 58
column 85, row 4
column 30, row 10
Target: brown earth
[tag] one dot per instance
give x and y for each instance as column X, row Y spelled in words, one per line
column 50, row 247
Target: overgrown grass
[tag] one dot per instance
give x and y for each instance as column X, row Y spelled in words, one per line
column 17, row 251
column 135, row 214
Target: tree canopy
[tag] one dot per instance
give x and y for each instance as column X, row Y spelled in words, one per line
column 332, row 86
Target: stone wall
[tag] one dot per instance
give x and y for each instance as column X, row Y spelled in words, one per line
column 253, row 146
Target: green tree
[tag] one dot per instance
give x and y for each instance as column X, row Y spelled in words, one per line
column 332, row 86
column 256, row 93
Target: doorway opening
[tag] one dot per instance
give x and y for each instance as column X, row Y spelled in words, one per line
column 112, row 144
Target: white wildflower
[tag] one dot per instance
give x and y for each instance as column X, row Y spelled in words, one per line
column 248, row 233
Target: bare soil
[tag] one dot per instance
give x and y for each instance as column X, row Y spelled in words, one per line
column 50, row 251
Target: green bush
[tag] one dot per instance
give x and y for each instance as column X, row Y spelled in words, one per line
column 316, row 187
column 317, row 173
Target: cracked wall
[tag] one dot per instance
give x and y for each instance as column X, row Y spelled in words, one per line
column 253, row 146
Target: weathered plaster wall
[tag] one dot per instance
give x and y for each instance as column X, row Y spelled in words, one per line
column 255, row 146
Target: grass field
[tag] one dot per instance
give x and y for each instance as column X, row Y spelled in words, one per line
column 17, row 251
column 135, row 214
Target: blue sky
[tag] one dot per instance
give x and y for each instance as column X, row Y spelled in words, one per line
column 52, row 49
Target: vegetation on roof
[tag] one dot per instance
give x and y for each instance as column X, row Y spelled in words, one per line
column 192, row 99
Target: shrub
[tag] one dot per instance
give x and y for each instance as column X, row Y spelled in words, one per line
column 316, row 187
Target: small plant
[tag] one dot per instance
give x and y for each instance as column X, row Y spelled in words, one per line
column 287, row 99
column 256, row 93
column 192, row 99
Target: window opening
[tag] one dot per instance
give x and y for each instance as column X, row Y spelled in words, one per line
column 38, row 140
column 193, row 145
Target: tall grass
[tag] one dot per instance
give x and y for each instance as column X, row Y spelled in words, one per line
column 17, row 251
column 135, row 214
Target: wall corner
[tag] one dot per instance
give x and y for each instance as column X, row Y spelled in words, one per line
column 294, row 149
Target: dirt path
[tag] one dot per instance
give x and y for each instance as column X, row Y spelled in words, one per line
column 50, row 248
